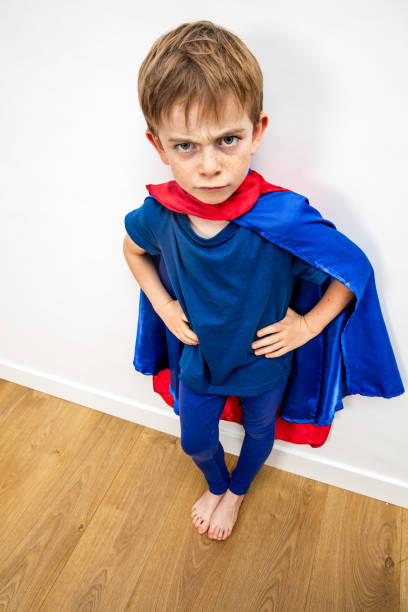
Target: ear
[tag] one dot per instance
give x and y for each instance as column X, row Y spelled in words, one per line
column 155, row 140
column 258, row 131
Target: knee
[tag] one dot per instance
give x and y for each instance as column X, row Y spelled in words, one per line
column 196, row 445
column 261, row 434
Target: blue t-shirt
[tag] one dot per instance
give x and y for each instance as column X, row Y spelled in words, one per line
column 229, row 286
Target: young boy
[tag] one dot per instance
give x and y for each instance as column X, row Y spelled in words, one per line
column 200, row 90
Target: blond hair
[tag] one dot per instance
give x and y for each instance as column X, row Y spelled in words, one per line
column 198, row 62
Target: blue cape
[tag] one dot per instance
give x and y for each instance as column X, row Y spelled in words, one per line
column 352, row 355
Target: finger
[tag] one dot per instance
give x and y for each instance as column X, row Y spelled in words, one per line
column 278, row 353
column 263, row 334
column 188, row 331
column 269, row 329
column 184, row 317
column 182, row 336
column 188, row 325
column 265, row 342
column 189, row 335
column 263, row 350
column 272, row 346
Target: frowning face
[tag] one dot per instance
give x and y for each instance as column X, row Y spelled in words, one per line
column 210, row 160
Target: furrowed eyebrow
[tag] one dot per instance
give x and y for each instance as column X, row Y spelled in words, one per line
column 226, row 133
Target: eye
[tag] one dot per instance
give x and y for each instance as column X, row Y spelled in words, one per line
column 227, row 137
column 181, row 145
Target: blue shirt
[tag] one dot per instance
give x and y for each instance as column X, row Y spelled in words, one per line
column 229, row 286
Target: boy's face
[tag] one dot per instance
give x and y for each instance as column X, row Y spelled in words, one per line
column 210, row 154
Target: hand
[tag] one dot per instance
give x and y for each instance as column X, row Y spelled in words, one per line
column 286, row 335
column 173, row 316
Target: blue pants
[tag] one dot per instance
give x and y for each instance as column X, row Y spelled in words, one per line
column 199, row 419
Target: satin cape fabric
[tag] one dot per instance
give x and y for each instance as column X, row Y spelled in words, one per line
column 174, row 197
column 352, row 355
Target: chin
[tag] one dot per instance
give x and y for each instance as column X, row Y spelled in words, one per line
column 212, row 201
column 213, row 198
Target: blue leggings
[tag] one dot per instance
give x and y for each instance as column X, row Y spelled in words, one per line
column 199, row 419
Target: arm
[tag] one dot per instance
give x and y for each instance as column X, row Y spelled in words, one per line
column 332, row 302
column 293, row 330
column 169, row 310
column 144, row 271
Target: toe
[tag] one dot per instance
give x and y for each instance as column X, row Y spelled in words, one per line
column 201, row 524
column 197, row 520
column 203, row 527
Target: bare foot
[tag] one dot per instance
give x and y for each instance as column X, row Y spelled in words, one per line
column 225, row 516
column 203, row 508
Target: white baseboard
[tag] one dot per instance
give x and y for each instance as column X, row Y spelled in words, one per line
column 284, row 456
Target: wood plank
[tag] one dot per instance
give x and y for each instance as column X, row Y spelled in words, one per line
column 357, row 563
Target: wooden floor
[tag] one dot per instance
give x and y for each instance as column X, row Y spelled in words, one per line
column 95, row 515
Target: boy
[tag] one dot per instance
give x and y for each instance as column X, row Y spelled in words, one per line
column 200, row 89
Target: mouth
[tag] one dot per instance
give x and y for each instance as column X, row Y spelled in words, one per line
column 212, row 188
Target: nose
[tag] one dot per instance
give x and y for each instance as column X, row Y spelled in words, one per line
column 209, row 162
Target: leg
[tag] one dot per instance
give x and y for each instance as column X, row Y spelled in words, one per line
column 259, row 421
column 199, row 419
column 259, row 417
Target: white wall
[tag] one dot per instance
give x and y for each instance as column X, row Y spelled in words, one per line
column 75, row 160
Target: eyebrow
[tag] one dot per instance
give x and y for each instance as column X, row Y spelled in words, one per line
column 225, row 133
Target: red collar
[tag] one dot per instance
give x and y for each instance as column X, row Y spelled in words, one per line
column 172, row 196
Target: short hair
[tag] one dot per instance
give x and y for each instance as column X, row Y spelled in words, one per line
column 198, row 62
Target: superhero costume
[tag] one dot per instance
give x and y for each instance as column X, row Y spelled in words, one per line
column 353, row 353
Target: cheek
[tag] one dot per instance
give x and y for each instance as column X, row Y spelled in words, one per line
column 181, row 172
column 247, row 149
column 242, row 155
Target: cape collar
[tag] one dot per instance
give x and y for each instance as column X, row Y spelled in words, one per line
column 174, row 197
